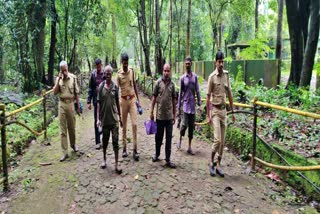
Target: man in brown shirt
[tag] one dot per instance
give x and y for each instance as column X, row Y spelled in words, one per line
column 108, row 109
column 218, row 88
column 164, row 96
column 129, row 97
column 67, row 88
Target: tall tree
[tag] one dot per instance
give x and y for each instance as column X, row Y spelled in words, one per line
column 311, row 46
column 142, row 26
column 188, row 28
column 279, row 36
column 114, row 42
column 303, row 38
column 158, row 46
column 170, row 33
column 256, row 18
column 37, row 25
column 53, row 40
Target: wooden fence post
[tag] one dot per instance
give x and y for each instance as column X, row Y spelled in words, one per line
column 254, row 134
column 4, row 148
column 44, row 127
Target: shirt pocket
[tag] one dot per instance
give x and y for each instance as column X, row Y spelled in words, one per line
column 71, row 89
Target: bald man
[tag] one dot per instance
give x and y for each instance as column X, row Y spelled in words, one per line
column 164, row 96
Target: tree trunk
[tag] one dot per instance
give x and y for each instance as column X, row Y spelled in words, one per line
column 66, row 21
column 143, row 35
column 296, row 41
column 158, row 40
column 2, row 75
column 38, row 39
column 114, row 41
column 256, row 18
column 188, row 29
column 279, row 37
column 311, row 45
column 170, row 33
column 53, row 41
column 141, row 58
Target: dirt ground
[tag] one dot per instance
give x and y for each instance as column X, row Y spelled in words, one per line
column 78, row 185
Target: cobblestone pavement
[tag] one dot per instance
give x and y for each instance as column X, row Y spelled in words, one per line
column 80, row 186
column 147, row 187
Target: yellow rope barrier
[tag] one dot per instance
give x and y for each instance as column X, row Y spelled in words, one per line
column 24, row 108
column 27, row 127
column 288, row 168
column 294, row 111
column 27, row 106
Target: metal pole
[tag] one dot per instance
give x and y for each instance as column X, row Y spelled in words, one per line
column 254, row 135
column 44, row 114
column 4, row 149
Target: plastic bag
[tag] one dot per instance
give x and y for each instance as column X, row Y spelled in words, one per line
column 151, row 127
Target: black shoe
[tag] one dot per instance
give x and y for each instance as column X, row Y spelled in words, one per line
column 124, row 154
column 155, row 159
column 212, row 170
column 64, row 157
column 118, row 171
column 171, row 165
column 103, row 165
column 98, row 146
column 135, row 156
column 190, row 152
column 220, row 172
column 75, row 148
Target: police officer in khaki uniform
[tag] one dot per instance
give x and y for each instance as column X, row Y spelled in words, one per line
column 129, row 97
column 218, row 88
column 67, row 88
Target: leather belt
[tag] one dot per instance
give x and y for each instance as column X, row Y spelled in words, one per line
column 220, row 106
column 66, row 100
column 128, row 97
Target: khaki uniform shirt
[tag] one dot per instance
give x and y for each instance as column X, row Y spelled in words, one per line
column 125, row 82
column 218, row 86
column 107, row 100
column 68, row 88
column 164, row 94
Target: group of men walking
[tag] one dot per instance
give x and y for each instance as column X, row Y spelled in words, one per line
column 112, row 102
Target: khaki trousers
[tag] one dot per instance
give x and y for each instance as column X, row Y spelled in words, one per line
column 219, row 122
column 67, row 124
column 129, row 106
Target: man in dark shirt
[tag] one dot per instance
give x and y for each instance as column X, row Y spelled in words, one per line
column 97, row 76
column 164, row 96
column 108, row 109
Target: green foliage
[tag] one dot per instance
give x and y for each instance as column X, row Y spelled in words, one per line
column 258, row 49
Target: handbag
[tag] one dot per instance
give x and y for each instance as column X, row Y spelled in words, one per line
column 151, row 127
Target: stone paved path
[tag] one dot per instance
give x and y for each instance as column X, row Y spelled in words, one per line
column 80, row 186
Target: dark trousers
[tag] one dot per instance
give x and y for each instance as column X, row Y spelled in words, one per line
column 96, row 130
column 161, row 126
column 188, row 122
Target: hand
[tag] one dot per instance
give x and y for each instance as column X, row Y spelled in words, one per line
column 151, row 116
column 98, row 123
column 173, row 121
column 79, row 110
column 89, row 106
column 60, row 76
column 209, row 119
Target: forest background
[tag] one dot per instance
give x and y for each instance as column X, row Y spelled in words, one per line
column 35, row 35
